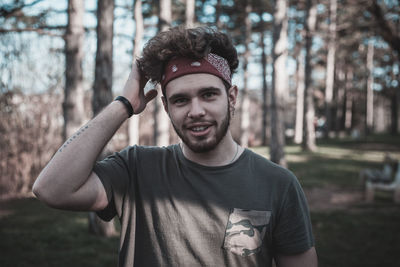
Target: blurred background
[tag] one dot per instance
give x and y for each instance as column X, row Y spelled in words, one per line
column 319, row 85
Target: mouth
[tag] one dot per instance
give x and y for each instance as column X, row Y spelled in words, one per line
column 199, row 130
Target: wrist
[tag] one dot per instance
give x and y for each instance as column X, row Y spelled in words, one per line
column 127, row 105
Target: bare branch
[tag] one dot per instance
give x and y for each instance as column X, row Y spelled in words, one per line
column 39, row 31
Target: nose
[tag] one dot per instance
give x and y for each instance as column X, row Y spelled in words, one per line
column 196, row 109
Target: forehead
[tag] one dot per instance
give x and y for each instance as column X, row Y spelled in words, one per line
column 191, row 83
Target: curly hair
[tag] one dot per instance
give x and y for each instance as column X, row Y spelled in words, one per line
column 193, row 43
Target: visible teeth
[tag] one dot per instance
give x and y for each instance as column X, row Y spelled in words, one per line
column 199, row 129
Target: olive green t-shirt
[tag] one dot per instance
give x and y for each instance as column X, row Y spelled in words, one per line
column 175, row 212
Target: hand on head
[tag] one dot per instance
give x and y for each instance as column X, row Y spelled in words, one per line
column 134, row 90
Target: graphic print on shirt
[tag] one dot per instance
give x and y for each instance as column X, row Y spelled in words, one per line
column 245, row 231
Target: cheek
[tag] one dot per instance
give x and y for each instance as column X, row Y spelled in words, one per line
column 222, row 109
column 177, row 116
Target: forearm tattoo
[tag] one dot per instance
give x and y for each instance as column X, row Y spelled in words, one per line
column 72, row 138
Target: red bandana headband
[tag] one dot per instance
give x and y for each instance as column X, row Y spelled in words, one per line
column 212, row 64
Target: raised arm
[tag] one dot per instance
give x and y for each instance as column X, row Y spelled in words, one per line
column 67, row 182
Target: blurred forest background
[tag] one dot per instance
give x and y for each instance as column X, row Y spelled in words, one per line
column 319, row 88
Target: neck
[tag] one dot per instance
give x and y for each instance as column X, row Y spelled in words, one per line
column 226, row 152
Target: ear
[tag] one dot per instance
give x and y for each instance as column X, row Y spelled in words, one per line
column 232, row 95
column 165, row 103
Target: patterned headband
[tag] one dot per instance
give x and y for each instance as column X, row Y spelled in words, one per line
column 212, row 64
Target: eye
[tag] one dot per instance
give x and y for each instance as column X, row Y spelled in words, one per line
column 180, row 101
column 209, row 95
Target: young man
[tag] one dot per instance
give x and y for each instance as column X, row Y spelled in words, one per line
column 203, row 202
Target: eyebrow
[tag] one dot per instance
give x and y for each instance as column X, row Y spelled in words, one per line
column 201, row 91
column 210, row 88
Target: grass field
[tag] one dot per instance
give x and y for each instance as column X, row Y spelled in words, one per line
column 32, row 234
column 363, row 237
column 358, row 235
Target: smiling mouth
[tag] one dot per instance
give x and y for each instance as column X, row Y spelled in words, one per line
column 199, row 128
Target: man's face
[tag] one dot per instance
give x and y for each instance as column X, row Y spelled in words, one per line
column 199, row 108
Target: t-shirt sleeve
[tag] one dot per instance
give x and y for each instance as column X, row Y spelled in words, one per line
column 293, row 231
column 114, row 172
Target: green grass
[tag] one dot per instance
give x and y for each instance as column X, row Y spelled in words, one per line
column 335, row 163
column 34, row 235
column 362, row 237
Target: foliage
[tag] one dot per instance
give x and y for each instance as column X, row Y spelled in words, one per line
column 357, row 22
column 29, row 134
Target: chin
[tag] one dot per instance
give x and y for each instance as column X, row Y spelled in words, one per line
column 201, row 146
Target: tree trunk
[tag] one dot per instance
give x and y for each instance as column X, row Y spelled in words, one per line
column 134, row 120
column 161, row 120
column 165, row 15
column 190, row 13
column 298, row 133
column 279, row 83
column 394, row 105
column 349, row 100
column 102, row 90
column 73, row 92
column 309, row 112
column 264, row 82
column 330, row 66
column 245, row 101
column 340, row 100
column 218, row 11
column 394, row 129
column 370, row 91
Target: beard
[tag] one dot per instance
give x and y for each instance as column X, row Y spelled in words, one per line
column 205, row 144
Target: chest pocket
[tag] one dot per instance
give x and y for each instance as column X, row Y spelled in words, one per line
column 245, row 231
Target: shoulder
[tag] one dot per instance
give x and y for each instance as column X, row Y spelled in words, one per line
column 274, row 171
